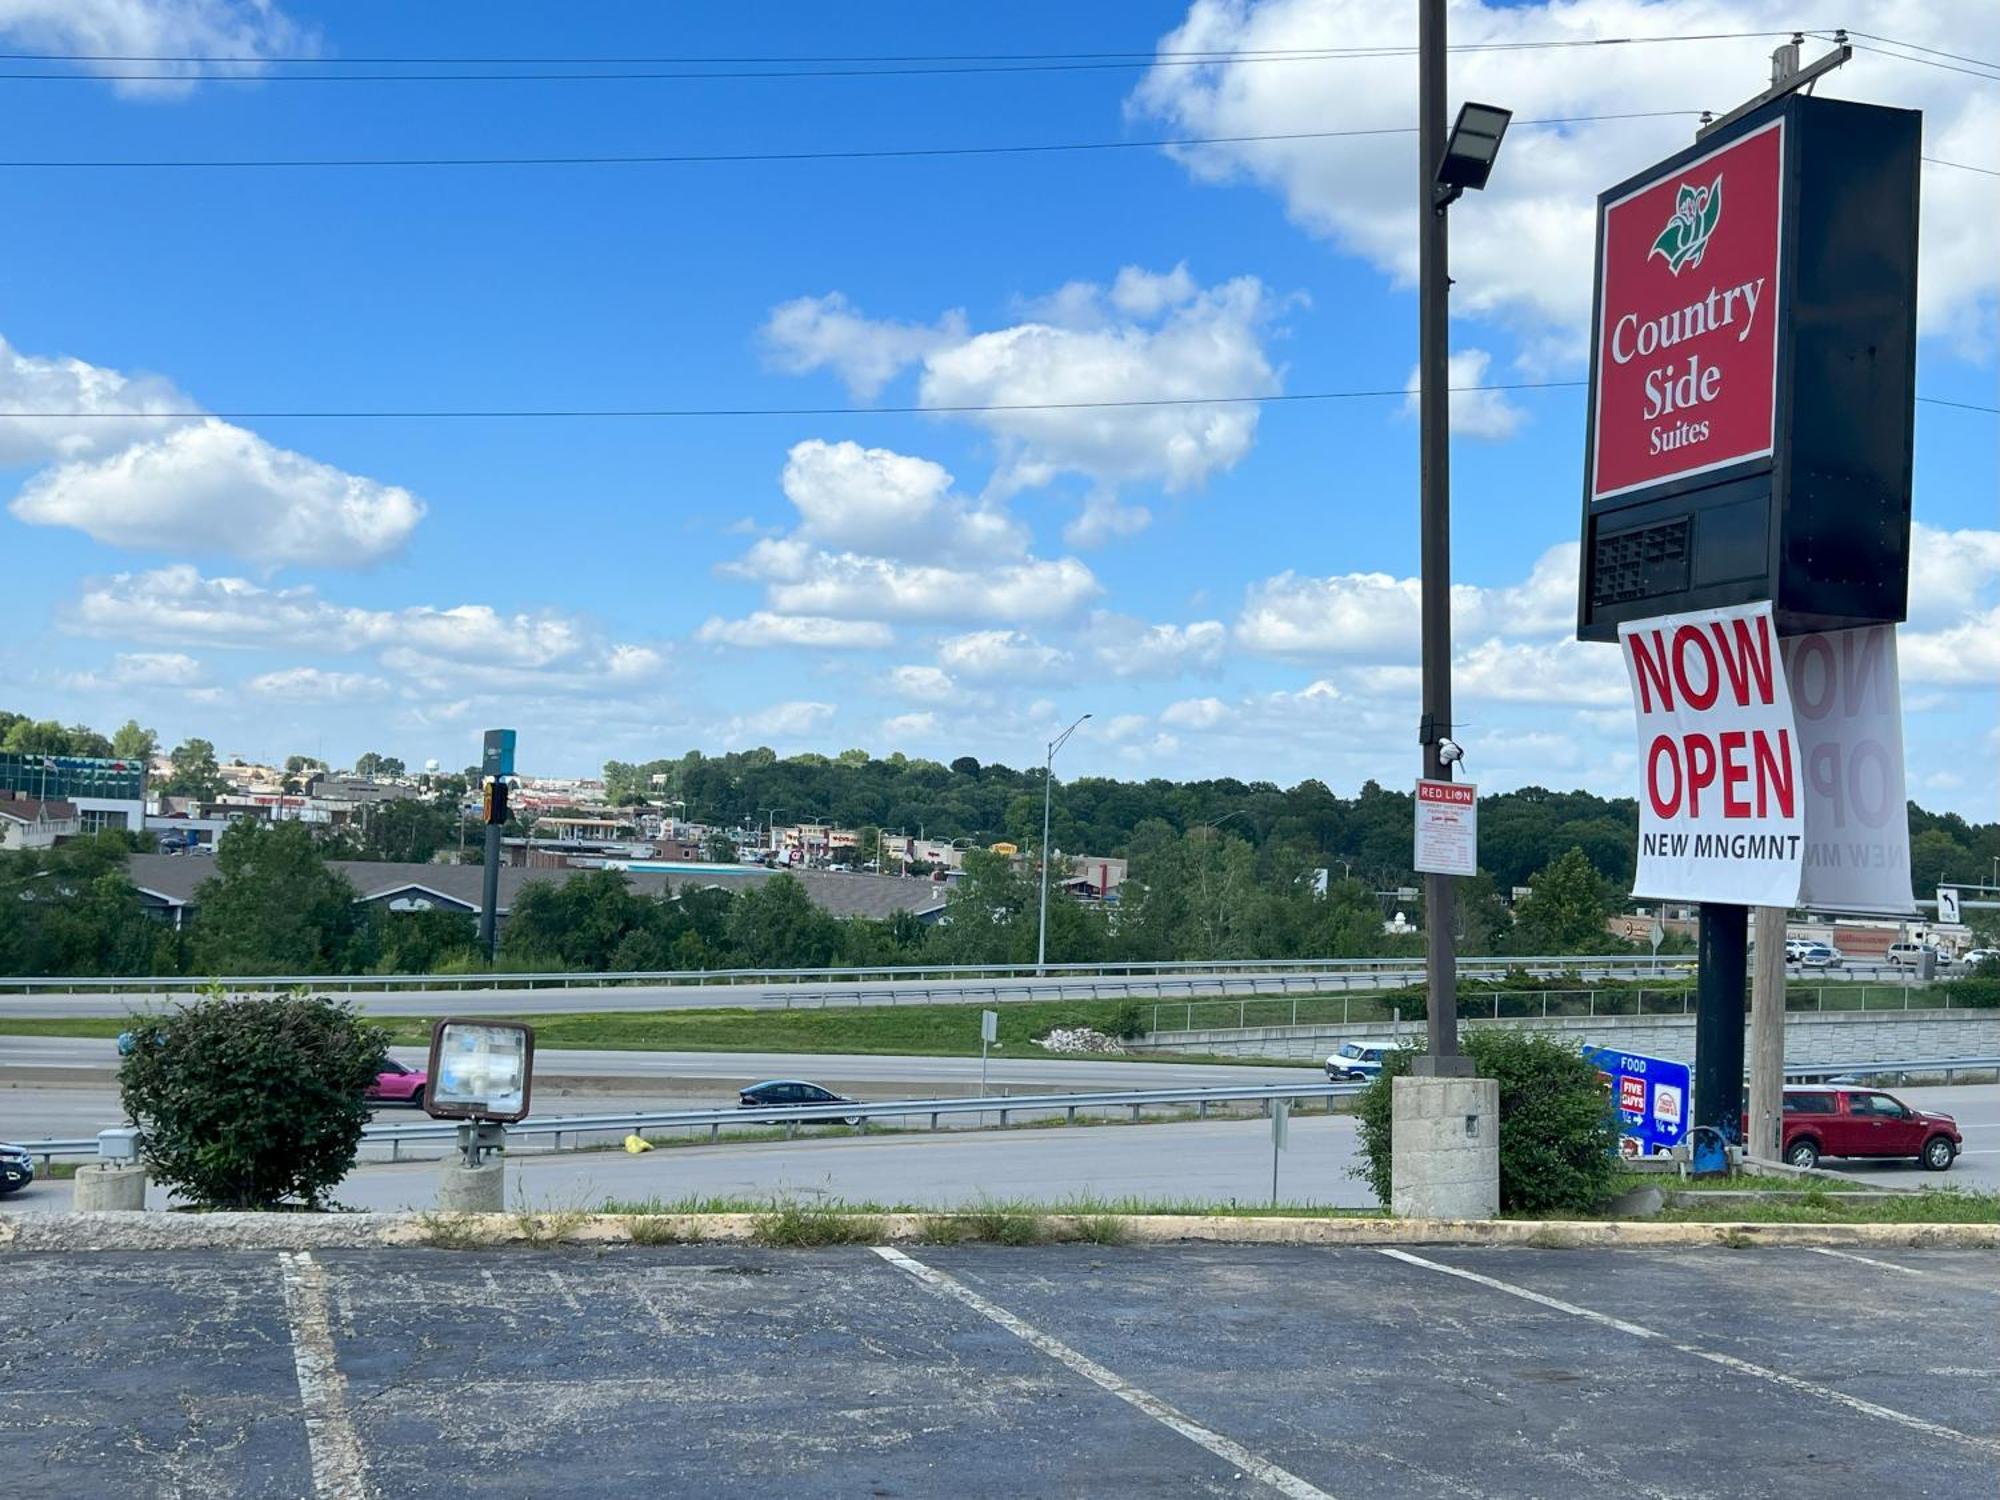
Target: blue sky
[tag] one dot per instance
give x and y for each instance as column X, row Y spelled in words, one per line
column 1226, row 589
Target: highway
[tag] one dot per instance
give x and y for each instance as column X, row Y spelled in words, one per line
column 1218, row 1160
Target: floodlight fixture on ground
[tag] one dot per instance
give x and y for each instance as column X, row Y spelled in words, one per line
column 1470, row 151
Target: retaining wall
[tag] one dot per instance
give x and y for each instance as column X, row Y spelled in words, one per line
column 1837, row 1037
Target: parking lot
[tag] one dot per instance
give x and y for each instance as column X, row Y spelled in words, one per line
column 976, row 1371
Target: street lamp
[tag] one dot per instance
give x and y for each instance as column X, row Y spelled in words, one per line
column 771, row 825
column 1446, row 167
column 1048, row 779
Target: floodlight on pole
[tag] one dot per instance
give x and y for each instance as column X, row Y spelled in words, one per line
column 1048, row 780
column 1469, row 151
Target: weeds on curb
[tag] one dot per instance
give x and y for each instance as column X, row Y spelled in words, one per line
column 453, row 1231
column 1003, row 1224
column 799, row 1225
column 662, row 1229
column 1100, row 1229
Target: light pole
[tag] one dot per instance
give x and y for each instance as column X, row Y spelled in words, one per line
column 1048, row 780
column 1446, row 167
column 771, row 826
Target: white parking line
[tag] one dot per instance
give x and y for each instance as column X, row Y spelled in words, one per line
column 1865, row 1260
column 1727, row 1361
column 338, row 1470
column 1227, row 1449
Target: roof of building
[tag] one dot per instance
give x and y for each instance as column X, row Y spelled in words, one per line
column 174, row 878
column 36, row 810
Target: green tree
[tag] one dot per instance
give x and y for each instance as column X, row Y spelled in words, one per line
column 130, row 742
column 274, row 906
column 73, row 910
column 720, row 850
column 775, row 925
column 251, row 1103
column 421, row 942
column 1558, row 1133
column 1565, row 909
column 408, row 829
column 32, row 737
column 194, row 770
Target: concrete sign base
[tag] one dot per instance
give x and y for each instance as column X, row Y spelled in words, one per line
column 472, row 1190
column 1446, row 1153
column 109, row 1187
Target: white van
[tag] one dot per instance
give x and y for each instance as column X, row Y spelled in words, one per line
column 1358, row 1062
column 1907, row 955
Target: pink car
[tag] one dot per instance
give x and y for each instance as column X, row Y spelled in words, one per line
column 396, row 1084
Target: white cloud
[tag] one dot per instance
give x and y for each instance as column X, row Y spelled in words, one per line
column 918, row 726
column 787, row 719
column 1207, row 344
column 1502, row 671
column 1521, row 251
column 848, row 586
column 234, row 36
column 109, row 405
column 1964, row 654
column 214, row 488
column 763, row 628
column 314, row 685
column 1126, row 647
column 996, row 655
column 140, row 669
column 812, row 333
column 444, row 650
column 1195, row 713
column 1375, row 614
column 1474, row 413
column 922, row 684
column 878, row 501
column 1949, row 570
column 1050, row 390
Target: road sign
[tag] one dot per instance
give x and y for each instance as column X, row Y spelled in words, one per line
column 498, row 757
column 1947, row 898
column 1447, row 828
column 1656, row 935
column 1650, row 1095
column 989, row 1026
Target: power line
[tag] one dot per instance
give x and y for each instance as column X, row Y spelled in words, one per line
column 864, row 154
column 1138, row 58
column 1918, row 47
column 1926, row 62
column 1963, row 166
column 689, row 412
column 681, row 72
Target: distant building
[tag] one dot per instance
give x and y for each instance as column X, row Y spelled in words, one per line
column 105, row 793
column 31, row 823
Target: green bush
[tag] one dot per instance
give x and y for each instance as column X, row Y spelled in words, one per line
column 252, row 1103
column 1558, row 1135
column 1976, row 991
column 1131, row 1021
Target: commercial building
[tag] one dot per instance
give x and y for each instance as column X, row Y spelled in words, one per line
column 31, row 823
column 104, row 793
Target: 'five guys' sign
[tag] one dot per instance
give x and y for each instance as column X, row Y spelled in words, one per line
column 1721, row 795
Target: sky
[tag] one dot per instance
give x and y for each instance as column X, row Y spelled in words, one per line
column 1227, row 589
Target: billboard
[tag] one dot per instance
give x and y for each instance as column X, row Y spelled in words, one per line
column 1687, row 317
column 1753, row 374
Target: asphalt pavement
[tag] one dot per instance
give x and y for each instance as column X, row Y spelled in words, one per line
column 1071, row 1371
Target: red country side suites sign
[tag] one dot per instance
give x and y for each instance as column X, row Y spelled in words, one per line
column 1687, row 346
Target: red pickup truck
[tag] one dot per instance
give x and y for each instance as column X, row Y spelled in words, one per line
column 1830, row 1120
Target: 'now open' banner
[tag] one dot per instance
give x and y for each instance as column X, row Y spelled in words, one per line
column 1721, row 794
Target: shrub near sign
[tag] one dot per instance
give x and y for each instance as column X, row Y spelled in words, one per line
column 1687, row 344
column 1721, row 814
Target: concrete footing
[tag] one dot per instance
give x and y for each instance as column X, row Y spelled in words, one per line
column 472, row 1190
column 109, row 1187
column 1445, row 1159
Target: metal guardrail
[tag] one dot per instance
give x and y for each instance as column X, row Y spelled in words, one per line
column 1550, row 964
column 1818, row 1072
column 794, row 1115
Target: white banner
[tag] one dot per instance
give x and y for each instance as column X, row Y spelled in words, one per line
column 1721, row 814
column 1845, row 693
column 1447, row 828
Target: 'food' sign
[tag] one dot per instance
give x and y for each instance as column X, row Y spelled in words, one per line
column 1687, row 325
column 1722, row 796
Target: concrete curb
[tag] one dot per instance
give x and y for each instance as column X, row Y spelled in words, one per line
column 42, row 1233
